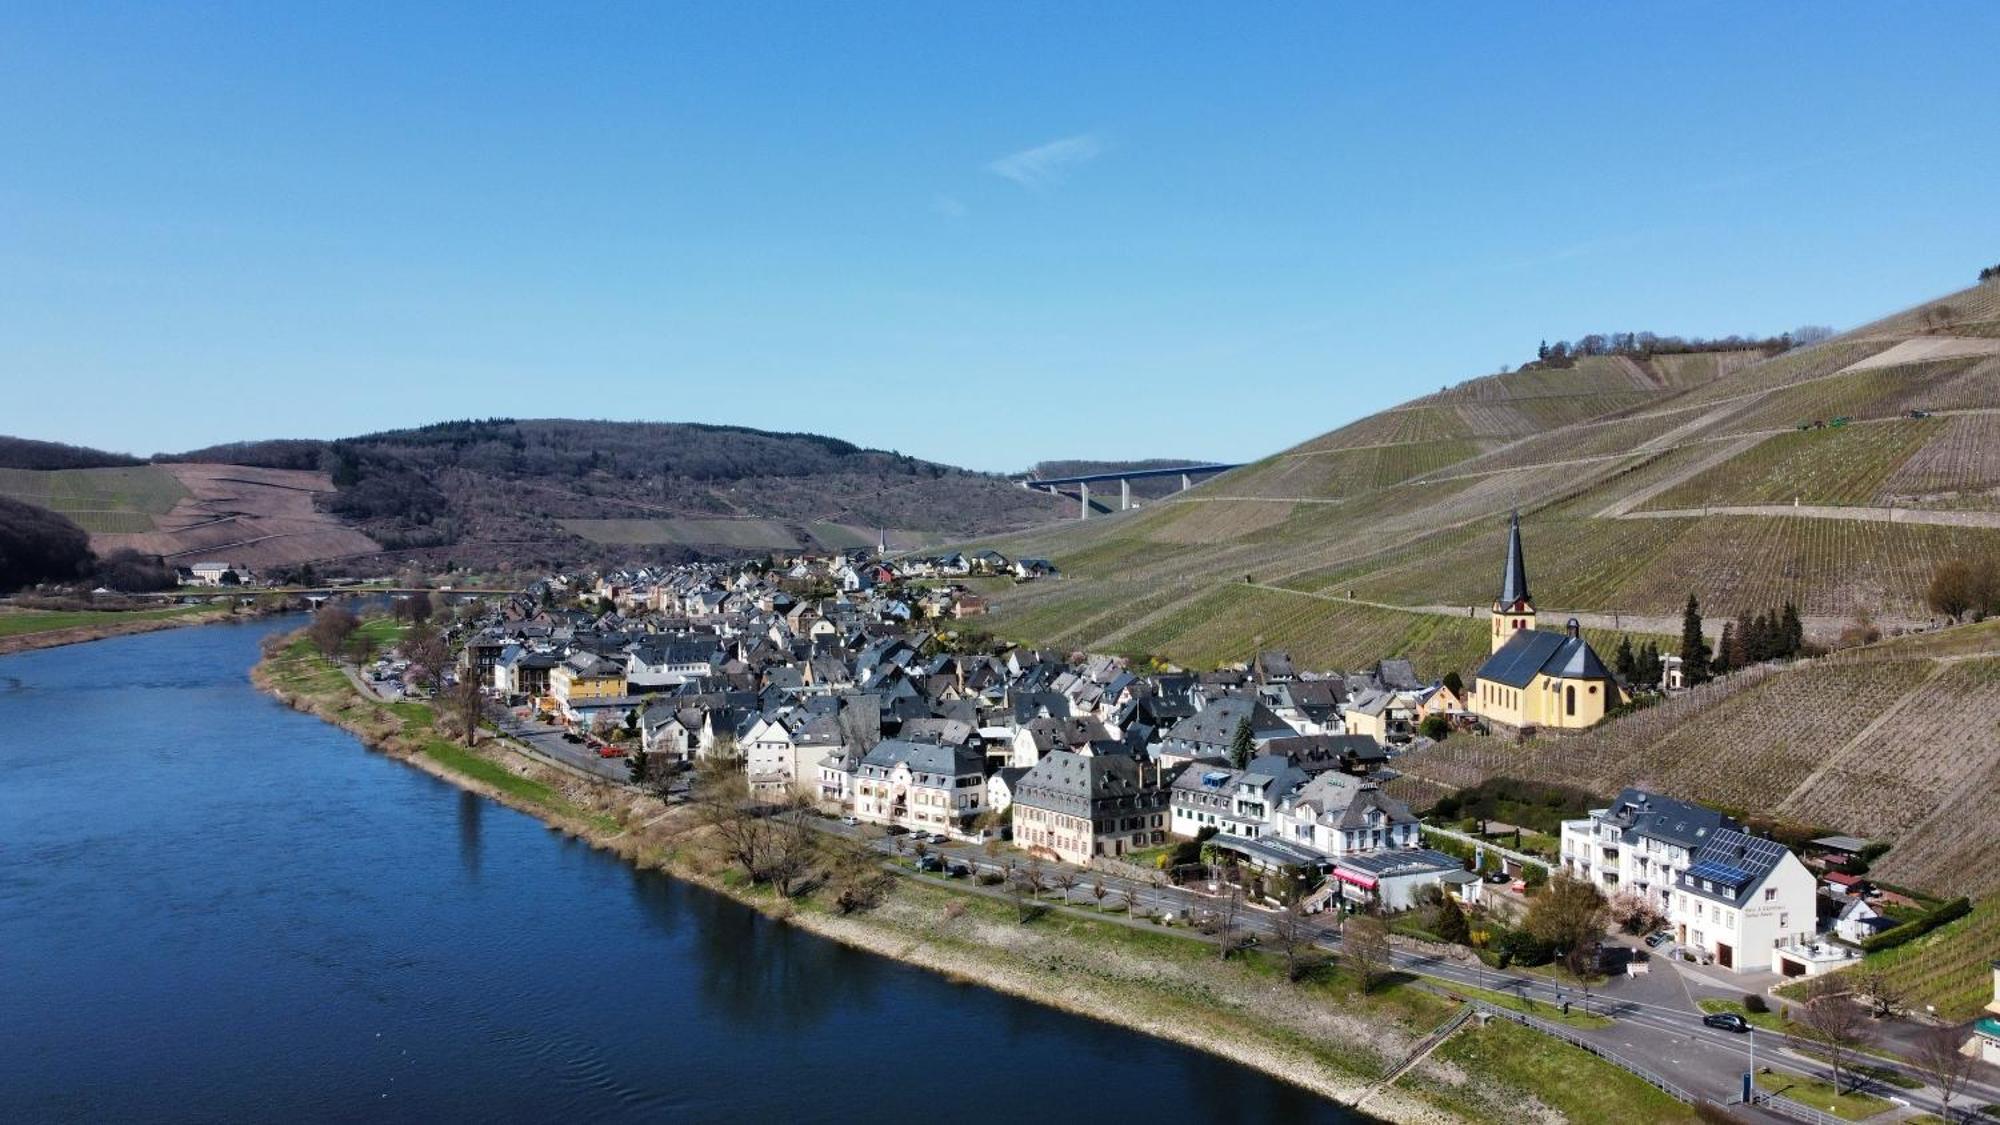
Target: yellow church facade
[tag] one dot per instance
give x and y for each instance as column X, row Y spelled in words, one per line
column 1536, row 678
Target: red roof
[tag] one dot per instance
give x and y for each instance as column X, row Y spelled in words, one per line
column 1842, row 879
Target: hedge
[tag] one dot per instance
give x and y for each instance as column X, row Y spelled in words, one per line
column 1910, row 931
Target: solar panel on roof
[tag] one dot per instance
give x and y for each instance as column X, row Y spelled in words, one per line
column 1719, row 872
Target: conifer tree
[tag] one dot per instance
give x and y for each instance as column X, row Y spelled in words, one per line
column 1728, row 654
column 1624, row 663
column 1243, row 745
column 1694, row 649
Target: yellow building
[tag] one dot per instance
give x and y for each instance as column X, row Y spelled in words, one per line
column 587, row 676
column 1535, row 678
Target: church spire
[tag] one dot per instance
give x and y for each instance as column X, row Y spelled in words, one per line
column 1514, row 579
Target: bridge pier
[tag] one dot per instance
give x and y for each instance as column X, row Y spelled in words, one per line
column 1187, row 482
column 1124, row 495
column 1083, row 500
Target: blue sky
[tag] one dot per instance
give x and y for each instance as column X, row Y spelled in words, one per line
column 983, row 234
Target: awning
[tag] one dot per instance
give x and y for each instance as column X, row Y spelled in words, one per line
column 1347, row 876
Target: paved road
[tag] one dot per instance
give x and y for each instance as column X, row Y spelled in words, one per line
column 1656, row 1020
column 549, row 742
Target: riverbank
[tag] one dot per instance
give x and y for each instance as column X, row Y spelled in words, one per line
column 24, row 630
column 1325, row 1034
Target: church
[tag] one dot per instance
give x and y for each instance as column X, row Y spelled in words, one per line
column 1536, row 678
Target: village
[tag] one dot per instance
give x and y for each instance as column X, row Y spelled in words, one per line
column 855, row 684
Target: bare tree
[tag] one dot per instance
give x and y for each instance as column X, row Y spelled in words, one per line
column 1068, row 879
column 1024, row 886
column 1098, row 890
column 1885, row 996
column 856, row 876
column 1365, row 943
column 468, row 704
column 330, row 628
column 1939, row 1059
column 1228, row 921
column 1835, row 1025
column 429, row 655
column 721, row 798
column 792, row 848
column 1293, row 931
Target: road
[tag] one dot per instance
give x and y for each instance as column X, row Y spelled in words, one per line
column 548, row 742
column 1656, row 1021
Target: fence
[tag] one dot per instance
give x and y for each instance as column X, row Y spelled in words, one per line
column 1558, row 1031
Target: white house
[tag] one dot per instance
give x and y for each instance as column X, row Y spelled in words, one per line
column 920, row 785
column 1742, row 900
column 1641, row 843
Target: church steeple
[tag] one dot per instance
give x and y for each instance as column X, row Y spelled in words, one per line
column 1514, row 579
column 1513, row 610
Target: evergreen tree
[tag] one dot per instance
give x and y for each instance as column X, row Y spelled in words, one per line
column 1793, row 630
column 1650, row 667
column 1624, row 663
column 1242, row 747
column 636, row 766
column 1694, row 648
column 1761, row 645
column 1728, row 654
column 1745, row 640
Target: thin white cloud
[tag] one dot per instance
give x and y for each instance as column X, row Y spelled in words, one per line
column 950, row 206
column 1044, row 166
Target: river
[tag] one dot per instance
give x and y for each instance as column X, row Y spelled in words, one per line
column 213, row 908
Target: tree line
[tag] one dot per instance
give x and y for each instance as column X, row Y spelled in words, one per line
column 41, row 546
column 1564, row 353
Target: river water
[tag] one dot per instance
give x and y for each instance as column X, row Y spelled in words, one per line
column 213, row 908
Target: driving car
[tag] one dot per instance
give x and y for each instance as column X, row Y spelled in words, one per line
column 1727, row 1021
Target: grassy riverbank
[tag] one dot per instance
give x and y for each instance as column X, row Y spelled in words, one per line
column 24, row 629
column 1325, row 1033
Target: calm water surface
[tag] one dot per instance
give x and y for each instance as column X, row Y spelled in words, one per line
column 213, row 908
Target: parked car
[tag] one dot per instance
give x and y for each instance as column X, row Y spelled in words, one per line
column 958, row 871
column 1658, row 938
column 1497, row 877
column 572, row 737
column 609, row 751
column 930, row 863
column 1727, row 1021
column 850, row 821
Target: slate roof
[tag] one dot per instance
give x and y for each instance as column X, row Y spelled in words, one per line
column 1076, row 785
column 1733, row 865
column 1530, row 652
column 1514, row 577
column 924, row 758
column 1642, row 815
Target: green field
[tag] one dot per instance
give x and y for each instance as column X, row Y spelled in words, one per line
column 19, row 622
column 99, row 500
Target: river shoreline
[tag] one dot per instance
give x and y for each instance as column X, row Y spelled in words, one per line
column 646, row 833
column 81, row 634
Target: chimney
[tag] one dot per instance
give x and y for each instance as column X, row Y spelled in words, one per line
column 1574, row 628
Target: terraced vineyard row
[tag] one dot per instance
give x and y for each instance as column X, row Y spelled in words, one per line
column 1963, row 462
column 1951, row 968
column 140, row 489
column 1344, row 472
column 1878, row 789
column 1876, row 392
column 1837, row 466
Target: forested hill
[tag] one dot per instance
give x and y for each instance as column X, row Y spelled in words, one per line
column 529, row 492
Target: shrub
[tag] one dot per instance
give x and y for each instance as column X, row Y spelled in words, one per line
column 1910, row 931
column 1754, row 1004
column 991, row 878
